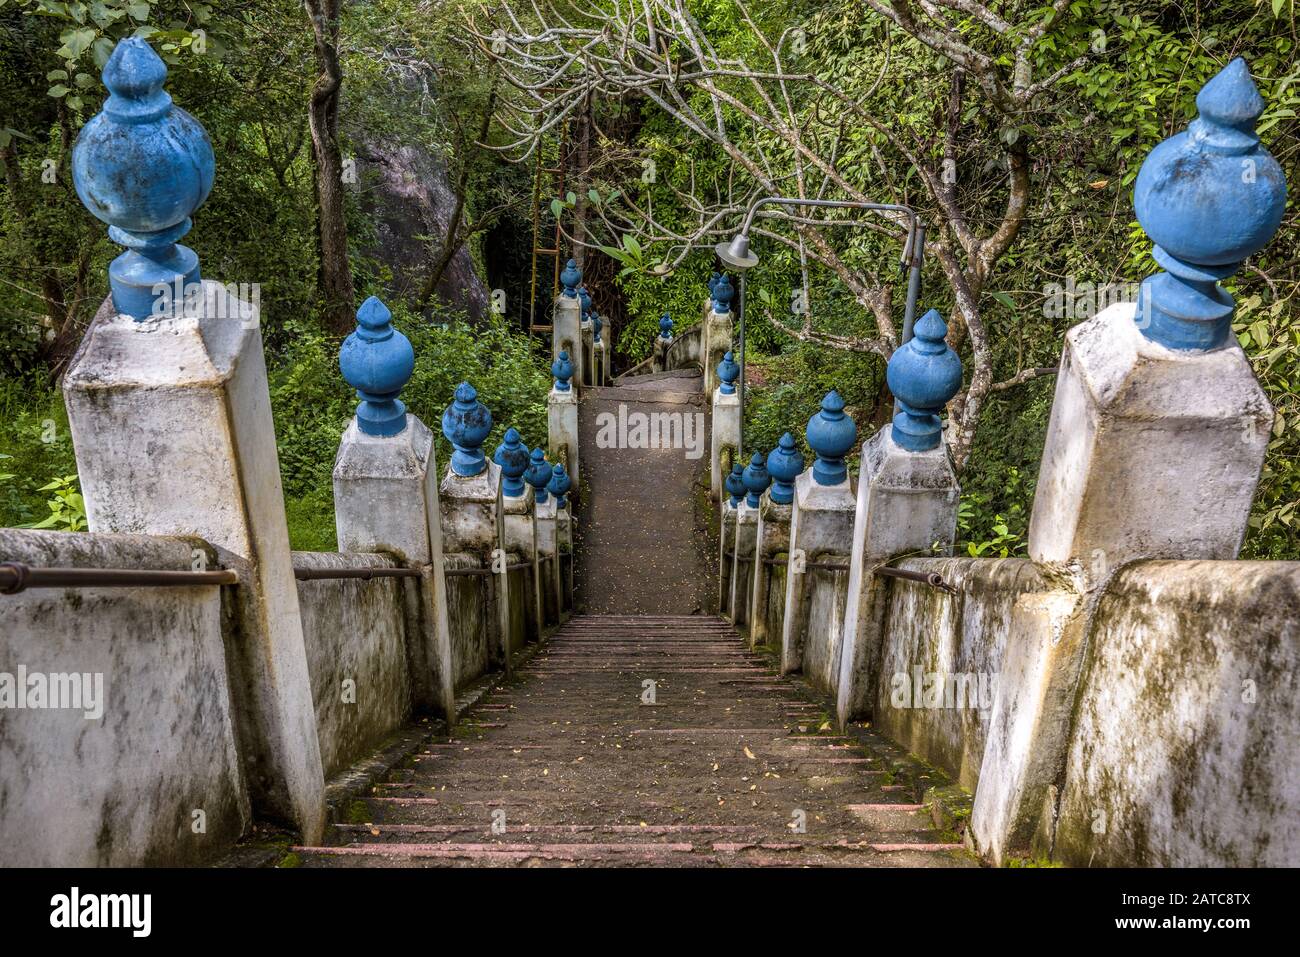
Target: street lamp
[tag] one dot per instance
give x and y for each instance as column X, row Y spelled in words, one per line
column 737, row 254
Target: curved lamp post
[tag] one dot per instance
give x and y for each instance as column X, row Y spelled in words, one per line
column 737, row 254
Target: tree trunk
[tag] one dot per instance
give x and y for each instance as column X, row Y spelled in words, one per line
column 335, row 281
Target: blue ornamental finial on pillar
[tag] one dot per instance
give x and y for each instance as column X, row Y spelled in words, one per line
column 584, row 297
column 666, row 326
column 143, row 166
column 562, row 369
column 722, row 295
column 756, row 479
column 923, row 373
column 538, row 474
column 735, row 484
column 570, row 277
column 831, row 434
column 466, row 424
column 784, row 463
column 713, row 283
column 513, row 456
column 377, row 361
column 1209, row 197
column 596, row 325
column 728, row 373
column 559, row 484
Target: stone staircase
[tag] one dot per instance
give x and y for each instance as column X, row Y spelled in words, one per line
column 573, row 762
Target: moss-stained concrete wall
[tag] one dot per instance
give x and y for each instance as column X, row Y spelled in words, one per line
column 943, row 656
column 467, row 610
column 123, row 788
column 827, row 594
column 355, row 633
column 775, row 609
column 1185, row 750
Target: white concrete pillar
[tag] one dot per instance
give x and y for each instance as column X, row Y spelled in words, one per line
column 772, row 538
column 907, row 502
column 717, row 331
column 821, row 531
column 562, row 418
column 755, row 480
column 724, row 441
column 386, row 492
column 566, row 322
column 171, row 423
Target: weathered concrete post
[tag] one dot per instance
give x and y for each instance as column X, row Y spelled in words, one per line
column 735, row 486
column 717, row 330
column 772, row 538
column 170, row 414
column 472, row 511
column 588, row 364
column 519, row 522
column 724, row 443
column 386, row 491
column 562, row 415
column 1156, row 439
column 600, row 362
column 548, row 558
column 559, row 487
column 821, row 531
column 663, row 341
column 907, row 502
column 566, row 324
column 756, row 480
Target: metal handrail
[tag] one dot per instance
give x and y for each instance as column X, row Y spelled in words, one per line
column 362, row 572
column 16, row 577
column 933, row 579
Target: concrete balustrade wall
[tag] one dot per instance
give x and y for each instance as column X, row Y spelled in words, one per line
column 1179, row 737
column 938, row 645
column 686, row 350
column 469, row 612
column 357, row 635
column 156, row 779
column 825, row 594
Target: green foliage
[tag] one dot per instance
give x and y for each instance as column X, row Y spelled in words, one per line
column 67, row 507
column 35, row 446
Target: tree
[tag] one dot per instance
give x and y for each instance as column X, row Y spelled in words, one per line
column 785, row 125
column 336, row 287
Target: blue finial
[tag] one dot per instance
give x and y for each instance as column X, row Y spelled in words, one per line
column 538, row 474
column 1209, row 197
column 377, row 361
column 584, row 297
column 831, row 434
column 923, row 373
column 569, row 278
column 784, row 463
column 562, row 369
column 512, row 455
column 559, row 484
column 466, row 424
column 596, row 325
column 756, row 479
column 665, row 326
column 728, row 373
column 736, row 483
column 713, row 282
column 722, row 295
column 143, row 166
